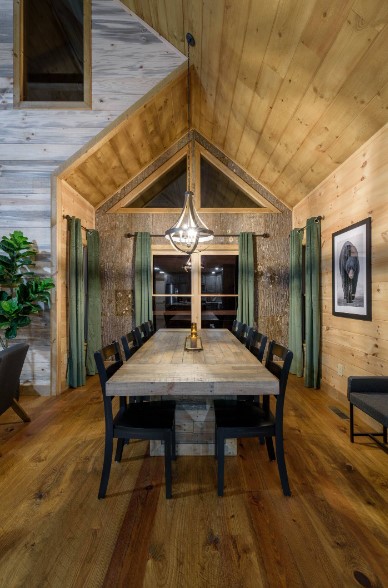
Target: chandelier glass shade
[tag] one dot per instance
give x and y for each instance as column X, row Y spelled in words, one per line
column 189, row 230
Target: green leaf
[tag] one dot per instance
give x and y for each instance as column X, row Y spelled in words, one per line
column 23, row 292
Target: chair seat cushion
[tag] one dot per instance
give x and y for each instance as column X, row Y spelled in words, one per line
column 374, row 405
column 235, row 413
column 147, row 415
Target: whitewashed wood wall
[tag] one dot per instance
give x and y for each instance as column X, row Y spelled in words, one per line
column 127, row 61
column 356, row 190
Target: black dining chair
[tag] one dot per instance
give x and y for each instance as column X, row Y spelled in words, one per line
column 138, row 336
column 149, row 328
column 235, row 419
column 145, row 331
column 249, row 336
column 237, row 328
column 145, row 420
column 246, row 334
column 257, row 344
column 129, row 344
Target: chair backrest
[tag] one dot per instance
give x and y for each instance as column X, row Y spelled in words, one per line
column 245, row 332
column 11, row 365
column 257, row 344
column 108, row 361
column 248, row 336
column 278, row 362
column 138, row 336
column 237, row 328
column 145, row 331
column 150, row 327
column 129, row 344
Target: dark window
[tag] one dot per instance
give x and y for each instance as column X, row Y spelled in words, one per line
column 53, row 50
column 172, row 292
column 218, row 191
column 166, row 192
column 219, row 288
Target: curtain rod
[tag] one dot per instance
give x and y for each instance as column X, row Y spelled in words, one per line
column 68, row 217
column 264, row 235
column 316, row 220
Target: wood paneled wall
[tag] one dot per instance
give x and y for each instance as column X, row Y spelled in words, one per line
column 289, row 89
column 358, row 189
column 70, row 203
column 127, row 61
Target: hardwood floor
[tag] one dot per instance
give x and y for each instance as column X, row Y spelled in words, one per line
column 54, row 532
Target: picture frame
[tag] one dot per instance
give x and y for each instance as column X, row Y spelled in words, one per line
column 351, row 271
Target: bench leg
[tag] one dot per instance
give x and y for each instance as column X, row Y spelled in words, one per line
column 351, row 424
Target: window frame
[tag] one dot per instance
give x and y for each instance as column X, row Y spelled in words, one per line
column 18, row 65
column 196, row 293
column 199, row 151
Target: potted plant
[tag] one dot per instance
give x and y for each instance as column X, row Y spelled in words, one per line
column 22, row 291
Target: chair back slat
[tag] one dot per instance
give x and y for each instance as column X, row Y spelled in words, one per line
column 108, row 361
column 248, row 336
column 257, row 345
column 278, row 362
column 237, row 328
column 129, row 345
column 138, row 336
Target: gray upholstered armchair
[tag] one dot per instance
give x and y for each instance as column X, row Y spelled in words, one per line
column 11, row 364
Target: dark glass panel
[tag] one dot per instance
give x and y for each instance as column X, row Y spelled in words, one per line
column 218, row 312
column 219, row 274
column 172, row 308
column 218, row 191
column 166, row 192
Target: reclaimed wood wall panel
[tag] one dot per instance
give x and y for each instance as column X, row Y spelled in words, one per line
column 289, row 89
column 356, row 190
column 127, row 61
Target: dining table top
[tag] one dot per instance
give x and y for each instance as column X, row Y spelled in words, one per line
column 163, row 366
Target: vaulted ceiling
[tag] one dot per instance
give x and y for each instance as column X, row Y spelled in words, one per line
column 288, row 89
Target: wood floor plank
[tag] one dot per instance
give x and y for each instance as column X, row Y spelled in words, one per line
column 54, row 532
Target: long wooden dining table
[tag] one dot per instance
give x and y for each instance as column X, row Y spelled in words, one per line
column 164, row 367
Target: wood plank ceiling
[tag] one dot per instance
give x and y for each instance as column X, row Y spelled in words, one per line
column 288, row 89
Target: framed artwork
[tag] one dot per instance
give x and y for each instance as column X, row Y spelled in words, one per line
column 351, row 286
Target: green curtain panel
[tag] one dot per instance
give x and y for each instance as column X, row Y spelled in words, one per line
column 93, row 338
column 295, row 337
column 312, row 378
column 246, row 279
column 143, row 279
column 76, row 373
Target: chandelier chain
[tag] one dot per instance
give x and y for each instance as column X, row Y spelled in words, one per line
column 188, row 115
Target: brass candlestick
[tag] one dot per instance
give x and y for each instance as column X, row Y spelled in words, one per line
column 193, row 330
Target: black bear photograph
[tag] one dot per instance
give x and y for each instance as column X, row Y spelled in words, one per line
column 351, row 270
column 349, row 267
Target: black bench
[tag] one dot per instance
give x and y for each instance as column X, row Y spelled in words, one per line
column 369, row 394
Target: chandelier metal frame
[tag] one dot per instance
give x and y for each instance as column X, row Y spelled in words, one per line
column 189, row 230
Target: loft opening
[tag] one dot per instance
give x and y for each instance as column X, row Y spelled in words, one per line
column 52, row 53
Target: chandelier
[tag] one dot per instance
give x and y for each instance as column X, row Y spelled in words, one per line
column 189, row 230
